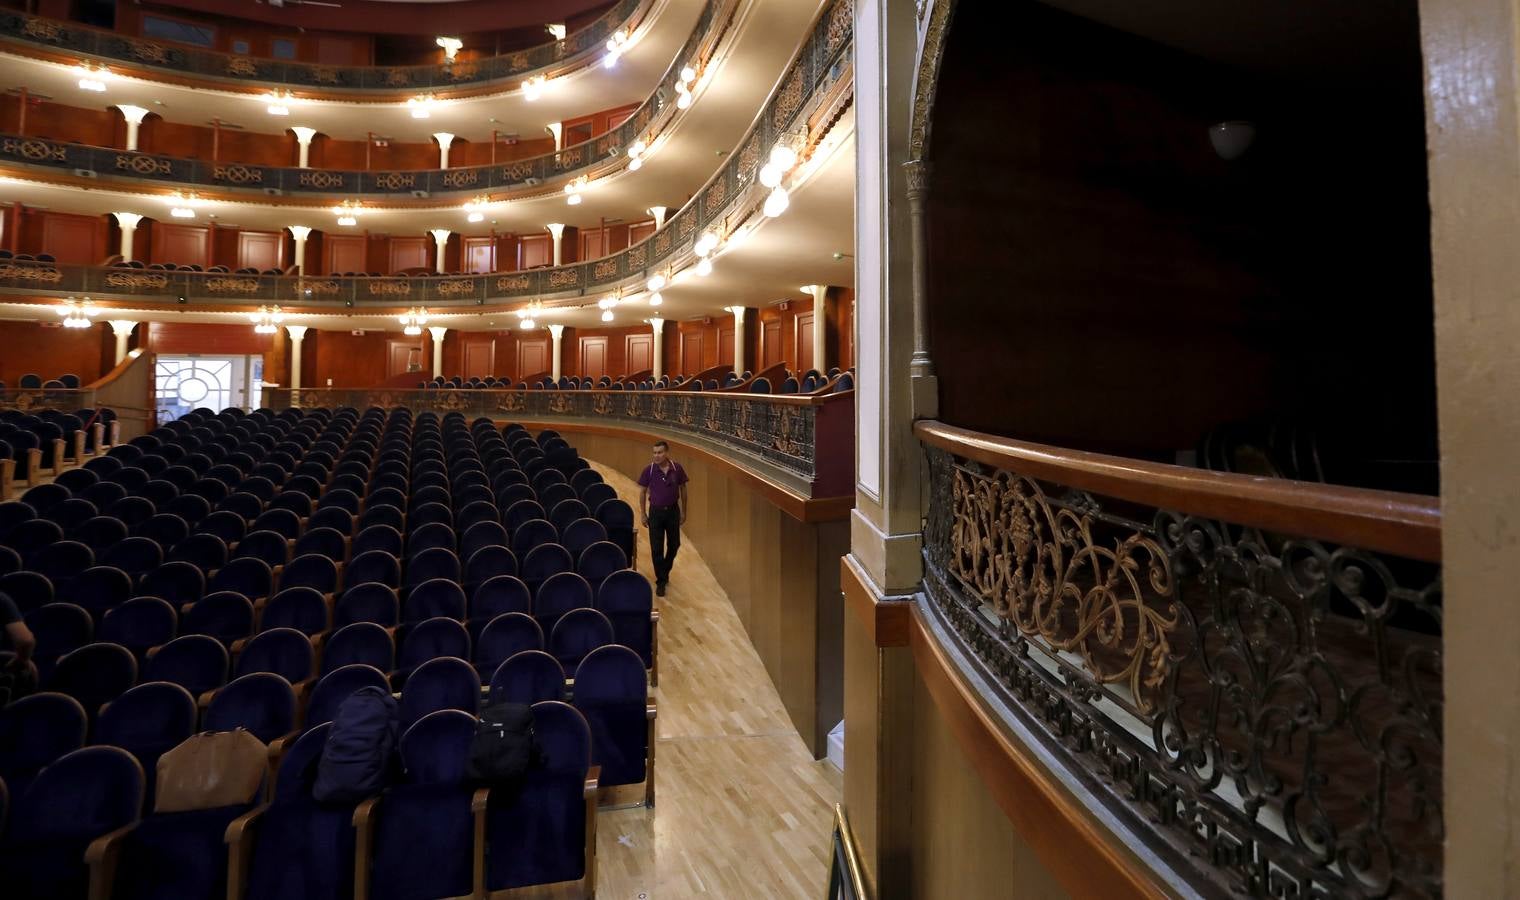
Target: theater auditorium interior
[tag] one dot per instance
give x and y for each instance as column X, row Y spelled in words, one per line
column 850, row 449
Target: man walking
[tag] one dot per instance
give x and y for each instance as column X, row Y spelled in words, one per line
column 662, row 508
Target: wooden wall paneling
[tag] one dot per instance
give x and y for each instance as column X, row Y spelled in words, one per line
column 408, row 252
column 725, row 345
column 593, row 362
column 692, row 356
column 534, row 250
column 402, row 353
column 61, row 122
column 72, row 239
column 532, row 356
column 771, row 349
column 192, row 337
column 261, row 250
column 638, row 231
column 479, row 254
column 638, row 353
column 479, row 352
column 48, row 349
column 183, row 244
column 802, row 339
column 345, row 253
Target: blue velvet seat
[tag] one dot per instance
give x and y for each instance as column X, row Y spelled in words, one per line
column 176, row 856
column 137, row 556
column 427, row 640
column 476, row 511
column 195, row 662
column 611, row 692
column 336, row 686
column 301, row 608
column 437, row 562
column 576, row 634
column 178, row 582
column 429, row 536
column 282, row 651
column 580, row 534
column 382, row 514
column 297, row 849
column 28, row 537
column 96, row 589
column 528, row 676
column 600, row 560
column 532, row 534
column 359, row 642
column 262, row 702
column 100, row 532
column 148, row 721
column 559, row 594
column 59, row 628
column 229, row 526
column 85, row 795
column 13, row 513
column 434, row 597
column 594, row 495
column 71, row 513
column 30, row 590
column 423, row 828
column 61, row 560
column 539, row 834
column 131, row 509
column 242, row 504
column 445, row 682
column 313, row 571
column 379, row 536
column 76, row 480
column 552, row 495
column 489, row 562
column 520, row 512
column 35, row 731
column 164, row 529
column 328, row 542
column 373, row 566
column 482, row 534
column 94, row 674
column 501, row 594
column 336, row 518
column 44, row 496
column 280, row 521
column 617, row 517
column 367, row 602
column 140, row 624
column 385, row 495
column 269, row 546
column 10, row 561
column 193, row 508
column 566, row 512
column 224, row 615
column 342, row 499
column 504, row 636
column 246, row 575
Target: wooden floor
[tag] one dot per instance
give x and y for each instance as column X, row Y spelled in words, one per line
column 742, row 809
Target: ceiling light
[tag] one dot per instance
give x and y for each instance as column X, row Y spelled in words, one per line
column 267, row 320
column 412, row 321
column 607, row 316
column 347, row 220
column 683, row 98
column 783, row 157
column 770, row 176
column 182, row 212
column 656, row 299
column 475, row 217
column 278, row 103
column 635, row 164
column 528, row 323
column 606, row 303
column 777, row 203
column 533, row 87
column 421, row 107
column 706, row 244
column 77, row 313
column 557, row 30
column 704, row 267
column 656, row 281
column 688, row 74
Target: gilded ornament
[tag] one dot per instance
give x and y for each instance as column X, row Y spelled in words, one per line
column 242, row 65
column 378, row 288
column 232, row 285
column 460, row 178
column 395, row 181
column 35, row 150
column 137, row 280
column 508, row 283
column 237, row 174
column 564, row 277
column 42, row 30
column 138, row 164
column 460, row 287
column 320, row 180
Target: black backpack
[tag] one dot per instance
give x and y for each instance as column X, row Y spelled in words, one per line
column 357, row 754
column 504, row 747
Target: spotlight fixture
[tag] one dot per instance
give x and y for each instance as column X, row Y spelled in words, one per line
column 77, row 313
column 475, row 217
column 688, row 75
column 413, row 320
column 683, row 97
column 706, row 244
column 267, row 320
column 348, row 209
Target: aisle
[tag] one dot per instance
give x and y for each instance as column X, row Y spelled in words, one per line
column 742, row 810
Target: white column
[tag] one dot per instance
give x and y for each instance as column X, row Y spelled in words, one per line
column 558, row 131
column 300, row 233
column 303, row 138
column 658, row 324
column 437, row 331
column 820, row 328
column 557, row 333
column 122, row 328
column 128, row 223
column 659, row 216
column 556, row 229
column 444, row 139
column 738, row 312
column 134, row 116
column 297, row 335
column 441, row 241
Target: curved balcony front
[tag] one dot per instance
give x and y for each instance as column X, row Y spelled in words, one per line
column 46, row 38
column 813, row 97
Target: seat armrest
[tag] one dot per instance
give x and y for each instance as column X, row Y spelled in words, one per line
column 277, row 748
column 99, row 430
column 237, row 648
column 364, row 828
column 649, row 713
column 239, row 841
column 101, row 857
column 204, row 700
column 593, row 778
column 479, row 803
column 57, row 455
column 7, row 477
column 79, row 446
column 33, row 465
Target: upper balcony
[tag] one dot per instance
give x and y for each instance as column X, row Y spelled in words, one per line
column 58, row 40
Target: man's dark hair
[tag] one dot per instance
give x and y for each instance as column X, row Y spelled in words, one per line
column 662, row 444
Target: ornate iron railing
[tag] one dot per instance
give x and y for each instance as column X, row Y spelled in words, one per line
column 1248, row 671
column 74, row 39
column 803, row 436
column 109, row 164
column 820, row 67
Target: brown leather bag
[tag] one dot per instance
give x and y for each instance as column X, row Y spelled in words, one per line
column 211, row 769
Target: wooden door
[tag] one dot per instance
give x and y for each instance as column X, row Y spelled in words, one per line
column 532, row 356
column 479, row 255
column 770, row 344
column 638, row 231
column 187, row 245
column 479, row 357
column 534, row 251
column 344, row 253
column 804, row 342
column 409, row 253
column 691, row 352
column 262, row 250
column 593, row 358
column 725, row 346
column 640, row 352
column 74, row 240
column 402, row 356
column 593, row 243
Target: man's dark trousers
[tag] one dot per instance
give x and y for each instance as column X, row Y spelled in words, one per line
column 664, row 540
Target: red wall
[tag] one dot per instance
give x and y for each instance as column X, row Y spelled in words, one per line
column 48, row 349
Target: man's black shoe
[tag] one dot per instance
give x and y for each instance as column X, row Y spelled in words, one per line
column 659, row 588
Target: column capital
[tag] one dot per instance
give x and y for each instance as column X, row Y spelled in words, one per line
column 556, row 229
column 440, row 234
column 126, row 220
column 133, row 114
column 299, row 232
column 918, row 177
column 556, row 330
column 121, row 327
column 304, row 134
column 657, row 323
column 443, row 138
column 297, row 332
column 438, row 331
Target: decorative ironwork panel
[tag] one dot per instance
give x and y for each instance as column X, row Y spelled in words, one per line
column 1266, row 709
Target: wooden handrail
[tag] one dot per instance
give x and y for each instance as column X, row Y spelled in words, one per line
column 1406, row 525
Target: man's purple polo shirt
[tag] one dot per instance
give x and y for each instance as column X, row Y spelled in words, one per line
column 663, row 486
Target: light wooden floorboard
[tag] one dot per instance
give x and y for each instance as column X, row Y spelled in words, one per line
column 742, row 809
